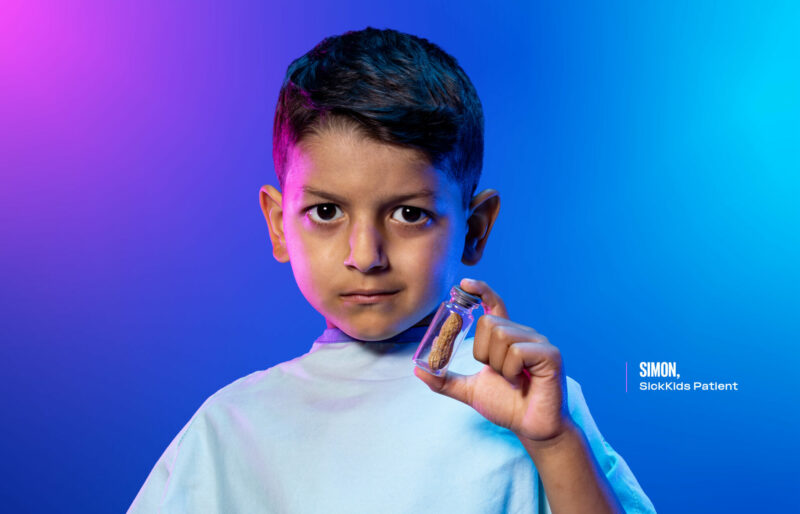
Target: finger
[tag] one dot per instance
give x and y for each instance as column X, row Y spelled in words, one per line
column 483, row 337
column 538, row 358
column 503, row 336
column 454, row 385
column 491, row 301
column 486, row 325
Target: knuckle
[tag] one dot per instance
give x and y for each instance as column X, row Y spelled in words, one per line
column 515, row 352
column 554, row 354
column 501, row 332
column 488, row 322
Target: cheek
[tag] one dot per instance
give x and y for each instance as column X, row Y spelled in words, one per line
column 432, row 259
column 449, row 255
column 306, row 256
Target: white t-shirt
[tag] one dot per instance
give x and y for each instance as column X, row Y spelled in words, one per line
column 348, row 428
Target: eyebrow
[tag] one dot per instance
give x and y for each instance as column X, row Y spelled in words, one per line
column 422, row 193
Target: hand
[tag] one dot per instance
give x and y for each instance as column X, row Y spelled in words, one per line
column 522, row 387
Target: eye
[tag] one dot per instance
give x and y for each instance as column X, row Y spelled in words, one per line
column 324, row 213
column 409, row 215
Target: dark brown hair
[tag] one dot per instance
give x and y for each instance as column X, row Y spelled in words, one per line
column 393, row 87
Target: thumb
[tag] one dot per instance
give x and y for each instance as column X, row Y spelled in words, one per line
column 454, row 385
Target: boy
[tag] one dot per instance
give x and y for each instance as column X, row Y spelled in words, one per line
column 378, row 147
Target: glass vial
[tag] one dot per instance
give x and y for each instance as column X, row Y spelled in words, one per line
column 445, row 333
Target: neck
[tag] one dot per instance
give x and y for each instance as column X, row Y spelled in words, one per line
column 424, row 322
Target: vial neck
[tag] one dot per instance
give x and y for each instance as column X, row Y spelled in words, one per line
column 462, row 298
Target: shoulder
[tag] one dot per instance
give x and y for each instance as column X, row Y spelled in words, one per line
column 260, row 384
column 256, row 388
column 205, row 437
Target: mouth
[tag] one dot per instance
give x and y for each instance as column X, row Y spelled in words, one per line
column 363, row 296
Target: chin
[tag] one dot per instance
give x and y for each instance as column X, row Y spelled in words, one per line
column 371, row 333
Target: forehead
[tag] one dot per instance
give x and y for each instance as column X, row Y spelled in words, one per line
column 352, row 166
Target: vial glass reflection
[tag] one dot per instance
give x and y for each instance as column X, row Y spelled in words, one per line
column 445, row 333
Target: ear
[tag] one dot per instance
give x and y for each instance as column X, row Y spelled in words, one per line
column 482, row 213
column 270, row 199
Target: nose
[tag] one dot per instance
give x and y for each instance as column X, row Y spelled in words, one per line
column 366, row 249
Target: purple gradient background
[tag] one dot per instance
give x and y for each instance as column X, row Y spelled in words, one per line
column 647, row 160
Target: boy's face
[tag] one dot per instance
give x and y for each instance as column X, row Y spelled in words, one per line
column 359, row 215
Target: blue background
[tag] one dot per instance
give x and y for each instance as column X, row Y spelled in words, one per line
column 647, row 160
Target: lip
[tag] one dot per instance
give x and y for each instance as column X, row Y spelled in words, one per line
column 368, row 296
